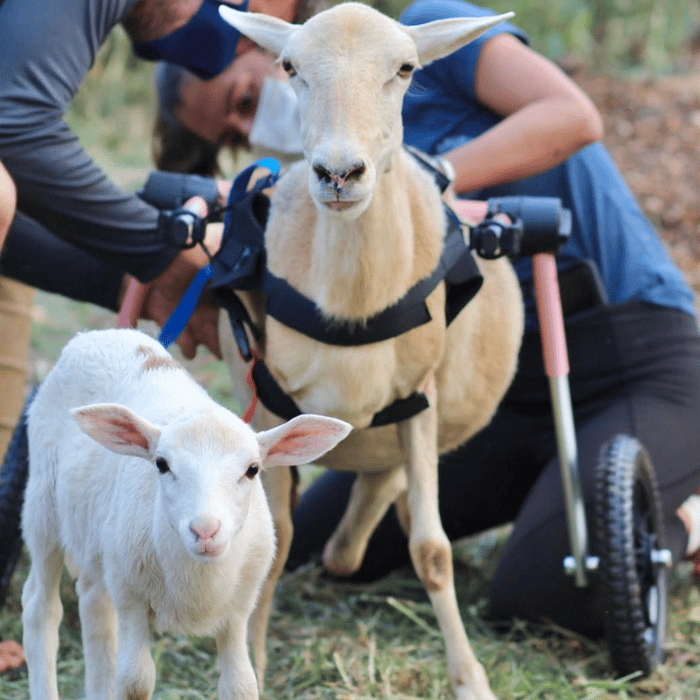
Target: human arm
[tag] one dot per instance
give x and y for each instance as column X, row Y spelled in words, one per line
column 546, row 117
column 90, row 231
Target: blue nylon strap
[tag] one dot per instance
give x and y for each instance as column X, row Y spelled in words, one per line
column 240, row 184
column 181, row 315
column 179, row 318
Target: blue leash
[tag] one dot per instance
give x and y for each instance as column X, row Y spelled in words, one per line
column 184, row 310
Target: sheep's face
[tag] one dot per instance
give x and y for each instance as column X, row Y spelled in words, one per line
column 350, row 67
column 350, row 78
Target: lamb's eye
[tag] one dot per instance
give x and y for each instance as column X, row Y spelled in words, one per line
column 405, row 70
column 288, row 68
column 163, row 466
column 252, row 470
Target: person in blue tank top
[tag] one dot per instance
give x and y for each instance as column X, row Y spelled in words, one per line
column 507, row 119
column 511, row 123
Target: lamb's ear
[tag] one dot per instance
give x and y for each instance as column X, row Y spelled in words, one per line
column 301, row 440
column 269, row 32
column 444, row 36
column 118, row 429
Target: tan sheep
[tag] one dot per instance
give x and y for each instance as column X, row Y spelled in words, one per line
column 353, row 227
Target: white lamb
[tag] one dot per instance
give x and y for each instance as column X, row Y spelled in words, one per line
column 353, row 227
column 171, row 518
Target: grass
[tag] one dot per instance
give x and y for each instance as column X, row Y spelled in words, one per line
column 334, row 641
column 330, row 640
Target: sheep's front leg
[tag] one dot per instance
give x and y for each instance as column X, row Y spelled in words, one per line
column 370, row 497
column 98, row 620
column 278, row 485
column 237, row 679
column 41, row 615
column 431, row 552
column 136, row 672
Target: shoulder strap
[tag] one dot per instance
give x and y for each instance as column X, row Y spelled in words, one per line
column 456, row 266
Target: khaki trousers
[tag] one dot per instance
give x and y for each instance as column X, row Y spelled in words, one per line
column 16, row 302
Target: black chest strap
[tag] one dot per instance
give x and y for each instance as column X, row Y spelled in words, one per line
column 281, row 404
column 241, row 264
column 456, row 267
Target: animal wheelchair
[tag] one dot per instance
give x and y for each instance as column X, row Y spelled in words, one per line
column 623, row 547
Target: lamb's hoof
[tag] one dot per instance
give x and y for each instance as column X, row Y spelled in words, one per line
column 464, row 693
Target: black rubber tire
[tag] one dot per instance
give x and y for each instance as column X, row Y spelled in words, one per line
column 628, row 525
column 13, row 478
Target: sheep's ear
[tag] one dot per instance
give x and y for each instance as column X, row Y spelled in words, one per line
column 301, row 440
column 269, row 32
column 118, row 429
column 443, row 36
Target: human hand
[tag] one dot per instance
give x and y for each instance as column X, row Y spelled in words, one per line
column 11, row 655
column 470, row 211
column 164, row 293
column 157, row 300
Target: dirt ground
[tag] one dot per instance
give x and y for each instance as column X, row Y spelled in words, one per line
column 652, row 129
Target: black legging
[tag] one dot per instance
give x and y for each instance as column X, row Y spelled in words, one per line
column 635, row 369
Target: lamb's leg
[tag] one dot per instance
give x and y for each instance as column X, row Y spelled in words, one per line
column 278, row 485
column 136, row 672
column 370, row 497
column 98, row 620
column 41, row 615
column 237, row 679
column 431, row 552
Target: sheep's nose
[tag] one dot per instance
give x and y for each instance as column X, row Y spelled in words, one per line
column 205, row 528
column 338, row 177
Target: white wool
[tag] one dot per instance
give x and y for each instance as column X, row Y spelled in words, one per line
column 149, row 490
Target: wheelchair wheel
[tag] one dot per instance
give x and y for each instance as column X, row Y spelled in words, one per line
column 629, row 537
column 13, row 477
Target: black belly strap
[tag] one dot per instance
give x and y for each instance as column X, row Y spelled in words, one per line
column 281, row 404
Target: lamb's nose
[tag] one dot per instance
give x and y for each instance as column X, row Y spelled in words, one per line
column 205, row 528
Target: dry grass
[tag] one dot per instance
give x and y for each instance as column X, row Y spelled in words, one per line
column 334, row 641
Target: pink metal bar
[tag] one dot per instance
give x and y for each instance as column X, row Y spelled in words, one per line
column 131, row 305
column 550, row 315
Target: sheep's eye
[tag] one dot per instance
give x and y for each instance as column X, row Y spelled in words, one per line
column 288, row 68
column 252, row 470
column 163, row 466
column 405, row 70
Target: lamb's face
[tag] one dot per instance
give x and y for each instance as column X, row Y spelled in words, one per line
column 208, row 480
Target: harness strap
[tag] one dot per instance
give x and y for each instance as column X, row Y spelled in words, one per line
column 256, row 357
column 282, row 405
column 181, row 315
column 456, row 266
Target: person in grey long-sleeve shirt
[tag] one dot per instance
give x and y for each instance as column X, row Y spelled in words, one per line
column 47, row 50
column 74, row 231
